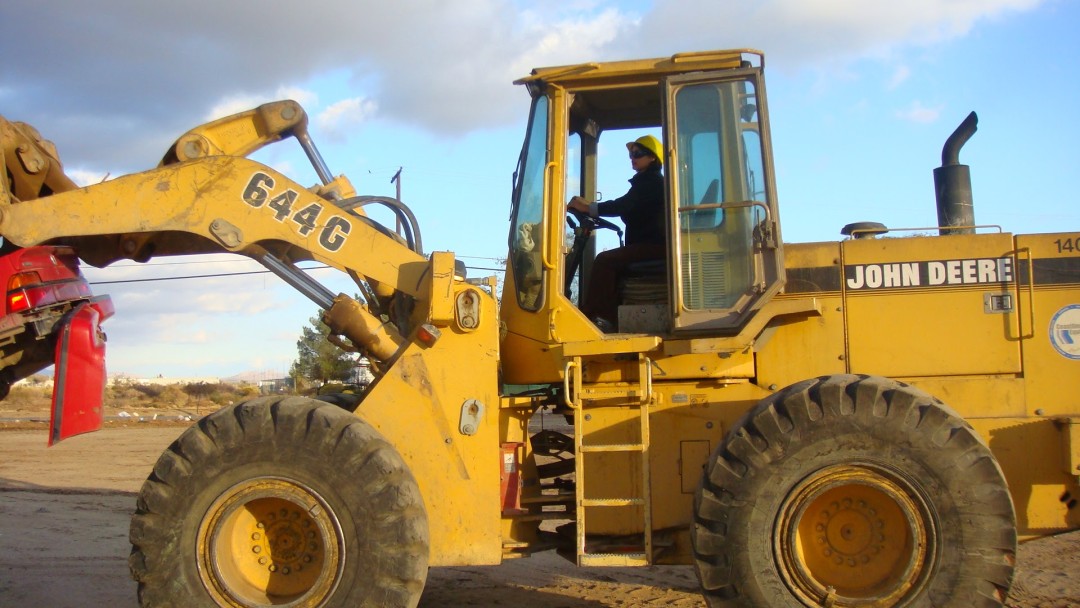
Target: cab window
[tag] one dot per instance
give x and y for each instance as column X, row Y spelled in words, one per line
column 526, row 235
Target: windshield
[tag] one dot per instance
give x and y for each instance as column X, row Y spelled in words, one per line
column 526, row 235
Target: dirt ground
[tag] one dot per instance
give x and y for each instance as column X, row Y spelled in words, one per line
column 64, row 515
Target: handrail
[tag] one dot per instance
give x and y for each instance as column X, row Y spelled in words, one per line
column 732, row 205
column 570, row 364
column 1031, row 294
column 546, row 244
column 645, row 370
column 998, row 227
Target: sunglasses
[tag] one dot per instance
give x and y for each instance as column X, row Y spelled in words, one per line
column 636, row 154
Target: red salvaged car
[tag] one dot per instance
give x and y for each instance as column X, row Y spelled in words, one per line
column 50, row 317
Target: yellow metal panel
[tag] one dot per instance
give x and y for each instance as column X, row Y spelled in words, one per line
column 989, row 396
column 704, row 366
column 810, row 255
column 1046, row 498
column 791, row 352
column 1070, row 429
column 417, row 406
column 442, row 287
column 688, row 422
column 610, row 345
column 917, row 306
column 692, row 456
column 925, row 334
column 1050, row 311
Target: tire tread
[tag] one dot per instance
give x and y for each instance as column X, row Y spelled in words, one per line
column 888, row 412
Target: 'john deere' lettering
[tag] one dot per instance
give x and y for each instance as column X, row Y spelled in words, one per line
column 929, row 274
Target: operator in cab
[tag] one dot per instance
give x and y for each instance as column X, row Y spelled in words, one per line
column 642, row 211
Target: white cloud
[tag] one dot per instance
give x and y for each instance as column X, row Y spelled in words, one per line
column 240, row 103
column 918, row 113
column 236, row 303
column 804, row 32
column 346, row 114
column 172, row 331
column 444, row 67
column 232, row 105
column 304, row 97
column 82, row 177
column 284, row 167
column 901, row 74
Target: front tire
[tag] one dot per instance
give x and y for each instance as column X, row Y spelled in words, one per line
column 280, row 502
column 853, row 491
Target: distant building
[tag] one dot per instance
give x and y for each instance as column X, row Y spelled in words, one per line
column 273, row 386
column 162, row 381
column 362, row 373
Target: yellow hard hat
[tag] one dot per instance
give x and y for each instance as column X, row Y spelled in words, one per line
column 651, row 144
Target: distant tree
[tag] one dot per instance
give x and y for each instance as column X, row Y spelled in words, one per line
column 198, row 390
column 317, row 360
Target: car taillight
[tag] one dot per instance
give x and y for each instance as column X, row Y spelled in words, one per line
column 19, row 298
column 18, row 302
column 22, row 279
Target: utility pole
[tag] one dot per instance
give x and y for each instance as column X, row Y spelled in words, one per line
column 396, row 180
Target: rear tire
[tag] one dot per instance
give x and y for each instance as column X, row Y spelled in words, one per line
column 280, row 501
column 853, row 491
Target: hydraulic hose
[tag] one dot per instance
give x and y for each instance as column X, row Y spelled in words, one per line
column 408, row 220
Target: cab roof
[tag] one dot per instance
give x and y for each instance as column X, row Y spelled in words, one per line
column 626, row 94
column 637, row 70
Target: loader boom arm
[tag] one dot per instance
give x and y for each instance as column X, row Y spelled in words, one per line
column 207, row 197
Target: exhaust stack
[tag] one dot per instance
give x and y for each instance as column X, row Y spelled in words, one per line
column 952, row 183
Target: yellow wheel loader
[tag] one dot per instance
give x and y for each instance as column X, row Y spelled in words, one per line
column 874, row 421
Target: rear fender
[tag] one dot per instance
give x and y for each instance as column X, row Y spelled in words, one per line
column 79, row 377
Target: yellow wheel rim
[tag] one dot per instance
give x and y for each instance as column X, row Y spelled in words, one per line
column 855, row 535
column 270, row 542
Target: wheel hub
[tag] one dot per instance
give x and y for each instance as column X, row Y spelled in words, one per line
column 854, row 535
column 269, row 542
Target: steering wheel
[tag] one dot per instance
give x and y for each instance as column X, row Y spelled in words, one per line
column 590, row 223
column 583, row 229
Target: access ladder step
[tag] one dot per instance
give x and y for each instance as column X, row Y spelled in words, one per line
column 612, row 559
column 614, row 447
column 612, row 502
column 562, row 498
column 599, row 394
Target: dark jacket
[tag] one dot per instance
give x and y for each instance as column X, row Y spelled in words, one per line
column 641, row 208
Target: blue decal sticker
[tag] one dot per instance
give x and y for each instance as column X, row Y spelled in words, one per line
column 1065, row 331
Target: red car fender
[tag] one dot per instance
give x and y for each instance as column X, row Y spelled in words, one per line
column 79, row 377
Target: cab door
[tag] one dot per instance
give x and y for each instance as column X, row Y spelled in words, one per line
column 724, row 226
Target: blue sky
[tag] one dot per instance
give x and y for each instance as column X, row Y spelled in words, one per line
column 862, row 95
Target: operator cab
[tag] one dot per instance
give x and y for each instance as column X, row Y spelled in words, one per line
column 724, row 259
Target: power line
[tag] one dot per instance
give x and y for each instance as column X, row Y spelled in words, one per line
column 194, row 276
column 246, row 260
column 236, row 274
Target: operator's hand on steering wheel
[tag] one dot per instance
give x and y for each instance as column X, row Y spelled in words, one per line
column 579, row 208
column 578, row 203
